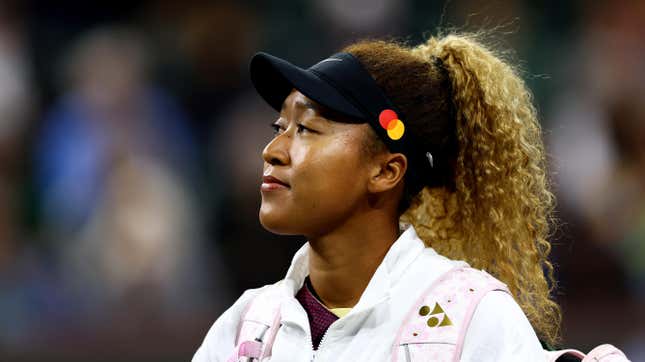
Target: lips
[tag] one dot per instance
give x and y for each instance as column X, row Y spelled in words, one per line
column 270, row 183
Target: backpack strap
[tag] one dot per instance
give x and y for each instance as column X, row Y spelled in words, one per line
column 436, row 326
column 602, row 353
column 258, row 328
column 606, row 353
column 564, row 355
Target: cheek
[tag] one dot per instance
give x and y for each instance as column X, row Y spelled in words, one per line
column 327, row 182
column 330, row 175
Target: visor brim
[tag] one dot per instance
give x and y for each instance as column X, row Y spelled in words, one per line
column 275, row 78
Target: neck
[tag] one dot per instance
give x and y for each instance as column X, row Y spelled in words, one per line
column 342, row 262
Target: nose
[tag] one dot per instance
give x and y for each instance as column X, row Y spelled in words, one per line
column 276, row 152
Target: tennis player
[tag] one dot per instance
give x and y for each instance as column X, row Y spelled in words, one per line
column 417, row 176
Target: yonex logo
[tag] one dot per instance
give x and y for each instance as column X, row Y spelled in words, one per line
column 435, row 315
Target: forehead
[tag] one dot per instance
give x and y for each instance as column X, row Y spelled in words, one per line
column 335, row 122
column 299, row 102
column 295, row 99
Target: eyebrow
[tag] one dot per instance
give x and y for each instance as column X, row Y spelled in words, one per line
column 307, row 104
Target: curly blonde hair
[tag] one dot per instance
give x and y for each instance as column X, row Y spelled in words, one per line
column 492, row 205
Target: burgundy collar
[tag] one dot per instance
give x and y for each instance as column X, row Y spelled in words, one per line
column 320, row 318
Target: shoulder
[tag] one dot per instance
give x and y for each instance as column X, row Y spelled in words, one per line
column 497, row 329
column 473, row 311
column 431, row 263
column 221, row 335
column 500, row 330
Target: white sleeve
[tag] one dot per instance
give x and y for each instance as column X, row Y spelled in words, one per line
column 220, row 339
column 499, row 331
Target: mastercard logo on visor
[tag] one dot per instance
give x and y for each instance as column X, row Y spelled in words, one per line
column 390, row 121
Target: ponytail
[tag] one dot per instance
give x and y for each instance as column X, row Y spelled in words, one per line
column 487, row 198
column 497, row 217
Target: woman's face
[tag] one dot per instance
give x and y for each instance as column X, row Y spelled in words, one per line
column 315, row 170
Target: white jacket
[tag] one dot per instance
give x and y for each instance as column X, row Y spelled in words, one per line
column 498, row 331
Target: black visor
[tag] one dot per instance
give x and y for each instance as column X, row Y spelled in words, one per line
column 339, row 83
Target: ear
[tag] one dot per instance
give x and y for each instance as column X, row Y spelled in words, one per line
column 387, row 172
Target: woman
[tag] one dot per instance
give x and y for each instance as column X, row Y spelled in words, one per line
column 396, row 163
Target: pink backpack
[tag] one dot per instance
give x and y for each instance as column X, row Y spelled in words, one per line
column 434, row 328
column 603, row 353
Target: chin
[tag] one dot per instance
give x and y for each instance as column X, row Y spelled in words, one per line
column 277, row 223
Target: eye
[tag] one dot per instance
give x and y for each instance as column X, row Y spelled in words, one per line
column 302, row 129
column 277, row 128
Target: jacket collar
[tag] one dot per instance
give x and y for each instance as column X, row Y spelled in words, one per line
column 400, row 255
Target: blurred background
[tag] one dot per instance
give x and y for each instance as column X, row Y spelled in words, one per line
column 130, row 142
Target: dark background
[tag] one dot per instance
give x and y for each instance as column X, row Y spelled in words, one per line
column 130, row 143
